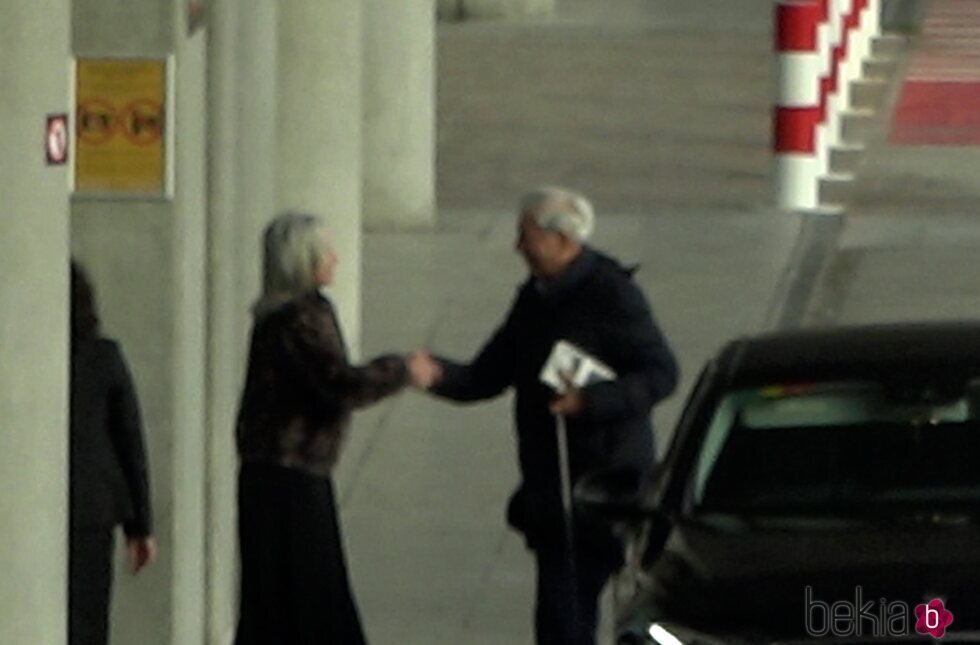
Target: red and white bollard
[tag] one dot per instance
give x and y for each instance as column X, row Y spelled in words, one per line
column 798, row 106
column 852, row 56
column 825, row 48
column 821, row 46
column 832, row 82
column 873, row 27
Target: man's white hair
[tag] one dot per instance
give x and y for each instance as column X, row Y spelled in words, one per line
column 560, row 209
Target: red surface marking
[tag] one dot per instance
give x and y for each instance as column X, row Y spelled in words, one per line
column 940, row 99
column 937, row 113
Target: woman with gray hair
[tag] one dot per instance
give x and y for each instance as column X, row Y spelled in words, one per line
column 299, row 394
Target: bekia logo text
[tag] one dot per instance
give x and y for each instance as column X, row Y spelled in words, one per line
column 861, row 617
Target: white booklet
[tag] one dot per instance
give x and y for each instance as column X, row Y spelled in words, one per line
column 580, row 367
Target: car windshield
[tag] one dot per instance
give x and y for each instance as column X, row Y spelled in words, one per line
column 830, row 447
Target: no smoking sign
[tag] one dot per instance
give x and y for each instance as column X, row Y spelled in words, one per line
column 56, row 140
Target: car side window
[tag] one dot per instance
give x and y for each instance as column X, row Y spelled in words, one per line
column 714, row 440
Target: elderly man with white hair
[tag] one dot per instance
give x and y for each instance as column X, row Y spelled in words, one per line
column 580, row 295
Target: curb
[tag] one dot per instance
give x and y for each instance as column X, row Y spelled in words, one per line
column 816, row 244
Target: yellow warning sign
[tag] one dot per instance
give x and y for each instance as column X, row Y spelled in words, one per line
column 120, row 126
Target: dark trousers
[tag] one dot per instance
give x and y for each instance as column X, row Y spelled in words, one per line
column 294, row 586
column 89, row 585
column 566, row 612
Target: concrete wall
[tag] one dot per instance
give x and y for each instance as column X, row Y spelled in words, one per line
column 507, row 8
column 128, row 248
column 33, row 325
column 122, row 27
column 449, row 10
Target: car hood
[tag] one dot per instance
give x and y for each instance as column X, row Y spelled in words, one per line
column 762, row 576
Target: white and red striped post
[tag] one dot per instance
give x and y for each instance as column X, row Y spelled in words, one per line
column 846, row 63
column 832, row 37
column 870, row 25
column 825, row 48
column 831, row 83
column 798, row 108
column 863, row 33
column 874, row 20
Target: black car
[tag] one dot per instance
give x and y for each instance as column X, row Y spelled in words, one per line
column 821, row 486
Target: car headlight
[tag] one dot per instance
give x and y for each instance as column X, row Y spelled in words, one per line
column 655, row 634
column 663, row 636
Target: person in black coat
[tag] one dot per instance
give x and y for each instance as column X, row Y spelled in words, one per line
column 577, row 294
column 300, row 392
column 109, row 484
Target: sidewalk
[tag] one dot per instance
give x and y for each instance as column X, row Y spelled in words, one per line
column 661, row 114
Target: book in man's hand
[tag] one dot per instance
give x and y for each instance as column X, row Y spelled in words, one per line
column 578, row 366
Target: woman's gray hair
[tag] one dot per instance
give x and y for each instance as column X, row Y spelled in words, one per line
column 293, row 247
column 562, row 210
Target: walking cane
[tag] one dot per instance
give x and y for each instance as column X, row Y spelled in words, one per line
column 564, row 469
column 568, row 367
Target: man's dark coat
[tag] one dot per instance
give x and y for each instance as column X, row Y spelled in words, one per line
column 596, row 305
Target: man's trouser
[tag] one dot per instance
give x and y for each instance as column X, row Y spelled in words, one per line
column 566, row 611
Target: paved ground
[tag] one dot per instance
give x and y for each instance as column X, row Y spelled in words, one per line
column 646, row 105
column 910, row 243
column 660, row 111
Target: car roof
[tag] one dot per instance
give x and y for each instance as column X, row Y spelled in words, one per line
column 928, row 350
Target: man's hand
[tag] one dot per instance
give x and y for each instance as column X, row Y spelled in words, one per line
column 424, row 370
column 571, row 402
column 142, row 551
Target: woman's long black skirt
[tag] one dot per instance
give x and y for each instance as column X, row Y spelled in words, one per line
column 294, row 586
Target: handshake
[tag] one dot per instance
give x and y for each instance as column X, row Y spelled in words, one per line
column 424, row 371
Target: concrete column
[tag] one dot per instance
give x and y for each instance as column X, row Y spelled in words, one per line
column 189, row 376
column 319, row 133
column 33, row 325
column 507, row 8
column 228, row 296
column 399, row 113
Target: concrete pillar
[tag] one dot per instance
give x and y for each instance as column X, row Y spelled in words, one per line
column 399, row 113
column 507, row 8
column 189, row 439
column 319, row 133
column 33, row 325
column 228, row 294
